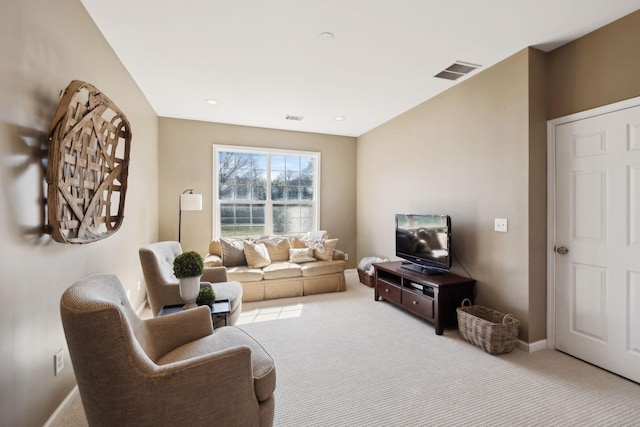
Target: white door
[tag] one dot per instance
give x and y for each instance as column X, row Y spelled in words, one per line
column 597, row 240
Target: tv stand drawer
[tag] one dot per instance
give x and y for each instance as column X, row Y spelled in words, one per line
column 417, row 304
column 389, row 291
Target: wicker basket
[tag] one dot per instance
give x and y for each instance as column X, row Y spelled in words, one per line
column 365, row 269
column 365, row 278
column 88, row 164
column 492, row 331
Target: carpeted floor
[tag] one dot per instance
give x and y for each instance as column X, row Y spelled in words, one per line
column 344, row 359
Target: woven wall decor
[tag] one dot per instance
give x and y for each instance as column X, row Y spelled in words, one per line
column 90, row 140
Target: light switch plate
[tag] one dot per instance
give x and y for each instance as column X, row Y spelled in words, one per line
column 500, row 225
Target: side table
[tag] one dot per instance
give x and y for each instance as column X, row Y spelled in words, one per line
column 220, row 308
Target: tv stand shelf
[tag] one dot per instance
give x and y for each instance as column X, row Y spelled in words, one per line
column 433, row 298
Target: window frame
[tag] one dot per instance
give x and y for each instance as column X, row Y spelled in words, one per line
column 268, row 203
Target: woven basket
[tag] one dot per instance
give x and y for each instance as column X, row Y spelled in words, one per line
column 492, row 331
column 365, row 278
column 365, row 269
column 90, row 141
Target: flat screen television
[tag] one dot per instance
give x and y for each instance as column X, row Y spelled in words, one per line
column 424, row 241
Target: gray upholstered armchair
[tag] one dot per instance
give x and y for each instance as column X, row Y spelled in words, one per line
column 169, row 370
column 162, row 285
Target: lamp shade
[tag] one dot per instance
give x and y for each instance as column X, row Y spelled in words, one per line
column 191, row 202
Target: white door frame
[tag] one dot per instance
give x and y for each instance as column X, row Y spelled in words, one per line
column 551, row 202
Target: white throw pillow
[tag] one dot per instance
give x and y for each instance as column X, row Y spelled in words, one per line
column 300, row 255
column 326, row 252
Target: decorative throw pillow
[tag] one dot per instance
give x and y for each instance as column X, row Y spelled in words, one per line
column 232, row 253
column 278, row 249
column 256, row 254
column 296, row 242
column 215, row 248
column 301, row 255
column 326, row 253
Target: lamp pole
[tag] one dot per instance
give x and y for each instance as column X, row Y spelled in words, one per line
column 190, row 191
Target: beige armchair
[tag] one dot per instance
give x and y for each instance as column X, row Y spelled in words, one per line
column 169, row 370
column 162, row 285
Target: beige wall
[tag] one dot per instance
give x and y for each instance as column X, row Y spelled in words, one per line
column 44, row 45
column 598, row 69
column 537, row 192
column 478, row 151
column 464, row 153
column 186, row 156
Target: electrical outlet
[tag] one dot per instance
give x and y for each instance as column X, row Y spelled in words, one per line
column 500, row 224
column 58, row 360
column 346, row 257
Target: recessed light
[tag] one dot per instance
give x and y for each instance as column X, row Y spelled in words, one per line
column 326, row 36
column 339, row 118
column 211, row 101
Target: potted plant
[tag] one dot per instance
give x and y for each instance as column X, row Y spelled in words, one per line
column 206, row 296
column 188, row 268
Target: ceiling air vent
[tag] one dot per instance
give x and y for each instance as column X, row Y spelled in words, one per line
column 296, row 118
column 457, row 70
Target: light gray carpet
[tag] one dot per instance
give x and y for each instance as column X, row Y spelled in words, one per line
column 344, row 359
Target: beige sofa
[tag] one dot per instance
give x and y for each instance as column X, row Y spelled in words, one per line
column 280, row 266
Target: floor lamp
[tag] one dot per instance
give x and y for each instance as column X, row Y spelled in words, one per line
column 188, row 202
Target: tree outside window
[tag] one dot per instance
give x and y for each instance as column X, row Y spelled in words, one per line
column 265, row 192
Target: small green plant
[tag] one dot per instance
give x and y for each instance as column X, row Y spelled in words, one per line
column 206, row 296
column 188, row 264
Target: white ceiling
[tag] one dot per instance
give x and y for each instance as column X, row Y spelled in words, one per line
column 263, row 60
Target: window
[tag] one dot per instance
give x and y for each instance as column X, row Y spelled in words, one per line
column 265, row 191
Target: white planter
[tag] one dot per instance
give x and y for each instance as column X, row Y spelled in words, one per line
column 189, row 289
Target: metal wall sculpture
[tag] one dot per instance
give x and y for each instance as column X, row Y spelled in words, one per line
column 90, row 140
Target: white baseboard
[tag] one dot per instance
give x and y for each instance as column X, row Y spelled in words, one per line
column 532, row 347
column 62, row 408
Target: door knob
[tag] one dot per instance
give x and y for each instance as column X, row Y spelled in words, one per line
column 562, row 250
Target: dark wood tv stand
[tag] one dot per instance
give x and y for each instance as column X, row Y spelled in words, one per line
column 432, row 297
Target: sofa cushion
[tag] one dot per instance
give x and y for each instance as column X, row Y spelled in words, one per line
column 301, row 255
column 278, row 249
column 232, row 252
column 256, row 254
column 215, row 248
column 326, row 253
column 322, row 267
column 282, row 270
column 244, row 274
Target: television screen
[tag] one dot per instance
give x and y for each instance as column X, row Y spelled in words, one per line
column 425, row 241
